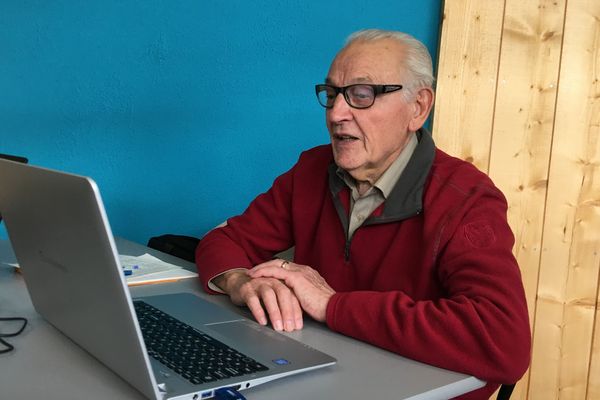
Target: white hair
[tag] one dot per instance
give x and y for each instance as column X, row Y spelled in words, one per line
column 417, row 61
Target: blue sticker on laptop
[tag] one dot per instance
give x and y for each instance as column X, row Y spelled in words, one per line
column 281, row 361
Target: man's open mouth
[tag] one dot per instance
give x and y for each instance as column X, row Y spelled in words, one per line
column 344, row 138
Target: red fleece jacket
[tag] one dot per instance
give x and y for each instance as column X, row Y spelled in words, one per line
column 430, row 275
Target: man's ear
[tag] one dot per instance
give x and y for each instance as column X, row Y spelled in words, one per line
column 423, row 103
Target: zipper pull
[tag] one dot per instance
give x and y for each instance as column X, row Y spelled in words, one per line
column 347, row 251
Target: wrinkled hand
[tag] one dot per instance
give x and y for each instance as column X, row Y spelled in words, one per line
column 309, row 288
column 278, row 300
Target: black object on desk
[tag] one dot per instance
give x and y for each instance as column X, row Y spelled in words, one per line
column 176, row 245
column 13, row 158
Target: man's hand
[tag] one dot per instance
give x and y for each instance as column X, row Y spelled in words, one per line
column 278, row 300
column 310, row 289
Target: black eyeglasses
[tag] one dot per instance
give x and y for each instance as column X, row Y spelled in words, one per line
column 7, row 346
column 358, row 96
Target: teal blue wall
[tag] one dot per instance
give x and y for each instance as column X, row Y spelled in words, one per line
column 182, row 111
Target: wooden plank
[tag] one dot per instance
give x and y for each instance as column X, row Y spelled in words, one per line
column 592, row 50
column 568, row 281
column 467, row 69
column 522, row 131
column 593, row 391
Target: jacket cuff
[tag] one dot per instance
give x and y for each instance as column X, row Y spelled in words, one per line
column 216, row 289
column 331, row 310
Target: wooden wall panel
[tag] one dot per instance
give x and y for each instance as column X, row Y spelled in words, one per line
column 594, row 374
column 467, row 78
column 589, row 16
column 567, row 293
column 539, row 139
column 523, row 124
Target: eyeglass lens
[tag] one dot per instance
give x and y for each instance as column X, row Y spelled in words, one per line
column 358, row 96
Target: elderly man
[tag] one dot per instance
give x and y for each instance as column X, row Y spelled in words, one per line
column 396, row 243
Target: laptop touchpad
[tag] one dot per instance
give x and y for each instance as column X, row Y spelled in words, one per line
column 251, row 336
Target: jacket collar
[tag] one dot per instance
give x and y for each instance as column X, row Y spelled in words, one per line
column 405, row 199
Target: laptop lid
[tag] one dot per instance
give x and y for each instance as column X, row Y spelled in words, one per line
column 61, row 236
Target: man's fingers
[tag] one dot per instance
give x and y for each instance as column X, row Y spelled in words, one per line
column 310, row 289
column 298, row 322
column 289, row 307
column 269, row 299
column 255, row 307
column 276, row 263
column 263, row 271
column 272, row 306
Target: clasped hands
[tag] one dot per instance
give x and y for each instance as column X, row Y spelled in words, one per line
column 279, row 291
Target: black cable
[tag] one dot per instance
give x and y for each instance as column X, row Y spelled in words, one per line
column 24, row 320
column 8, row 346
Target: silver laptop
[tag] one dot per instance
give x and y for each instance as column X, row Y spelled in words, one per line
column 61, row 237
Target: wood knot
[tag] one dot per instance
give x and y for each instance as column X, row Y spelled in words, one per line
column 547, row 35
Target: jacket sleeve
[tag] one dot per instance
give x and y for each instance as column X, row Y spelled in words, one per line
column 253, row 237
column 481, row 324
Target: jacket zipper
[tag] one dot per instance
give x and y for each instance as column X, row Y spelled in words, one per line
column 347, row 251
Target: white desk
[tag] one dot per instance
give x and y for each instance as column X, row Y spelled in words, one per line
column 47, row 365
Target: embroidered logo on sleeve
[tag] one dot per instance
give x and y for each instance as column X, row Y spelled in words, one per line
column 479, row 234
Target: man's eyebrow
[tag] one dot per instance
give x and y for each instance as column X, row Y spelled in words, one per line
column 362, row 79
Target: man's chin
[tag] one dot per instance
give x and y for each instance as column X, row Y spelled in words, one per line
column 347, row 165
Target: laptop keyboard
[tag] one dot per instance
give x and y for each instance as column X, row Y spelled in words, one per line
column 191, row 353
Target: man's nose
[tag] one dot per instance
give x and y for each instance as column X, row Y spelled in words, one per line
column 340, row 110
